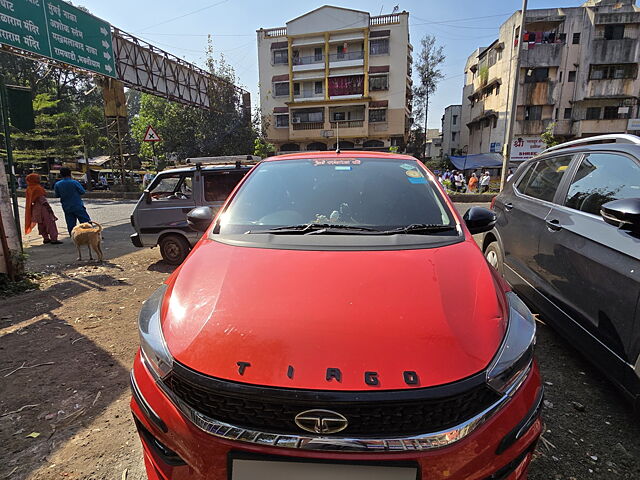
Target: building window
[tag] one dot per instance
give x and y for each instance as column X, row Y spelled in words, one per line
column 378, row 115
column 614, row 113
column 609, row 72
column 613, row 32
column 318, row 87
column 497, row 89
column 379, row 82
column 560, row 76
column 536, row 75
column 572, row 76
column 593, row 113
column 296, row 89
column 454, row 120
column 453, row 136
column 567, row 114
column 533, row 112
column 282, row 121
column 576, row 38
column 340, row 52
column 280, row 56
column 379, row 46
column 309, row 115
column 281, row 89
column 346, row 85
column 339, row 116
column 317, row 54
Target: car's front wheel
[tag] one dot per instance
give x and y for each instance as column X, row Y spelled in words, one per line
column 174, row 248
column 494, row 256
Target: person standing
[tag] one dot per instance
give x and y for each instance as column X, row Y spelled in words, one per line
column 509, row 175
column 38, row 211
column 69, row 191
column 473, row 183
column 485, row 179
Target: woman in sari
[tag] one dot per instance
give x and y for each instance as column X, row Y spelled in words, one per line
column 38, row 211
column 473, row 182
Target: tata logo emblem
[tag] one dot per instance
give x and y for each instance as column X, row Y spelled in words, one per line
column 324, row 422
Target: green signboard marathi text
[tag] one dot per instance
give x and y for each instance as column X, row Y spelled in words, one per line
column 57, row 30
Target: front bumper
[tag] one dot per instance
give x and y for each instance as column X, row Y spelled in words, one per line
column 168, row 435
column 135, row 239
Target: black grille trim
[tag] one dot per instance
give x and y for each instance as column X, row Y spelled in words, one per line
column 394, row 413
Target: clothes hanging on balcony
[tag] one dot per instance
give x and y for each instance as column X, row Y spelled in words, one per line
column 347, row 85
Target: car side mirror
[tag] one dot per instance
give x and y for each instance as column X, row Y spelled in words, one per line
column 200, row 218
column 147, row 196
column 624, row 214
column 479, row 219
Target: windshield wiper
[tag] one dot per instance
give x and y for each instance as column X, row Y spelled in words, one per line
column 315, row 228
column 419, row 228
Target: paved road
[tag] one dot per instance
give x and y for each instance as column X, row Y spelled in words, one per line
column 113, row 215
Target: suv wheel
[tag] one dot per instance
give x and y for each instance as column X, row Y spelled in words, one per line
column 174, row 248
column 493, row 254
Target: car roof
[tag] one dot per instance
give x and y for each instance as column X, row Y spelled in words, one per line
column 344, row 154
column 205, row 168
column 628, row 148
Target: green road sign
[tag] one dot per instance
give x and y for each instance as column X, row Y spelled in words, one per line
column 57, row 30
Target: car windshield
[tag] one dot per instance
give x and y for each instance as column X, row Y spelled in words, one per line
column 337, row 195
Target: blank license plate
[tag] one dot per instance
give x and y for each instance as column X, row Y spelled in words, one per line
column 267, row 470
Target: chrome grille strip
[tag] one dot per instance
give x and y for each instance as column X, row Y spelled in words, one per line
column 427, row 441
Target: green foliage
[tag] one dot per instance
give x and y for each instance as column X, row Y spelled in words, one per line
column 394, row 149
column 547, row 136
column 484, row 75
column 262, row 148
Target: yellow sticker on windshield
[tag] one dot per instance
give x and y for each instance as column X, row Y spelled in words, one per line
column 413, row 174
column 562, row 168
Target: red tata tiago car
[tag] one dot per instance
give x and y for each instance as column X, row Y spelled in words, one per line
column 337, row 321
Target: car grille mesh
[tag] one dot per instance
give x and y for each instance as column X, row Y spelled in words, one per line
column 379, row 419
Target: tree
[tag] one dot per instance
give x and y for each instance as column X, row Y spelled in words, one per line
column 547, row 136
column 429, row 75
column 262, row 148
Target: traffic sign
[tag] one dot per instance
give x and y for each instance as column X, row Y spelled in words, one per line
column 58, row 30
column 151, row 135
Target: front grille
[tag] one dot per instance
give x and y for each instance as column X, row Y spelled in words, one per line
column 369, row 413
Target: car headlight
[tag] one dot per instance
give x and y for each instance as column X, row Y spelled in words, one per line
column 152, row 342
column 516, row 352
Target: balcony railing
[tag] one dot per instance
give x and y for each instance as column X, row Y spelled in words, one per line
column 345, row 56
column 348, row 124
column 308, row 60
column 384, row 19
column 275, row 32
column 308, row 125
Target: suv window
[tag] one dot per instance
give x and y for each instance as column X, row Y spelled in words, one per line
column 172, row 187
column 601, row 178
column 542, row 179
column 218, row 185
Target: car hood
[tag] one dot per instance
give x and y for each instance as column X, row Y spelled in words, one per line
column 334, row 320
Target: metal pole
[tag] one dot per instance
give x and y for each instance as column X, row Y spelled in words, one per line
column 514, row 101
column 4, row 109
column 338, row 136
column 426, row 115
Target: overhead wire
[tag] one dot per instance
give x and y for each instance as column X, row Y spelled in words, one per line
column 183, row 15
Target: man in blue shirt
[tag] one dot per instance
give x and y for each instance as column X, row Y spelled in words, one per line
column 69, row 191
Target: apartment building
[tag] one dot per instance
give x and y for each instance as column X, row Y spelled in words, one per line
column 578, row 70
column 336, row 72
column 433, row 144
column 451, row 121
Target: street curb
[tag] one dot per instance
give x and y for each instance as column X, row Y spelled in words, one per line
column 101, row 195
column 472, row 197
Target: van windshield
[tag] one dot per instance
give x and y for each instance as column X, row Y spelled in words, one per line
column 371, row 194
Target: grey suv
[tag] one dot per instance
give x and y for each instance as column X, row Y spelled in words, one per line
column 567, row 239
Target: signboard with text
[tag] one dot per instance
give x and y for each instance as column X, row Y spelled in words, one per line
column 633, row 124
column 523, row 148
column 60, row 31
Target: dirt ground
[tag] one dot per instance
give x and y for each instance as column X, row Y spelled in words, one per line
column 66, row 351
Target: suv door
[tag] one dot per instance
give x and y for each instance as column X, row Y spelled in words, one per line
column 591, row 269
column 521, row 217
column 171, row 199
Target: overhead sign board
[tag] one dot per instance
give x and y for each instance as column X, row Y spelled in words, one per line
column 151, row 135
column 60, row 31
column 523, row 148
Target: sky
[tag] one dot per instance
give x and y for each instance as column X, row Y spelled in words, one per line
column 181, row 28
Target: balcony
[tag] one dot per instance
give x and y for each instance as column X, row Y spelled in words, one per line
column 623, row 50
column 307, row 125
column 597, row 127
column 309, row 62
column 542, row 55
column 531, row 127
column 346, row 124
column 611, row 88
column 346, row 59
column 537, row 93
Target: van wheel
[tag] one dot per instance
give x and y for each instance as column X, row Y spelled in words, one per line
column 494, row 256
column 174, row 249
